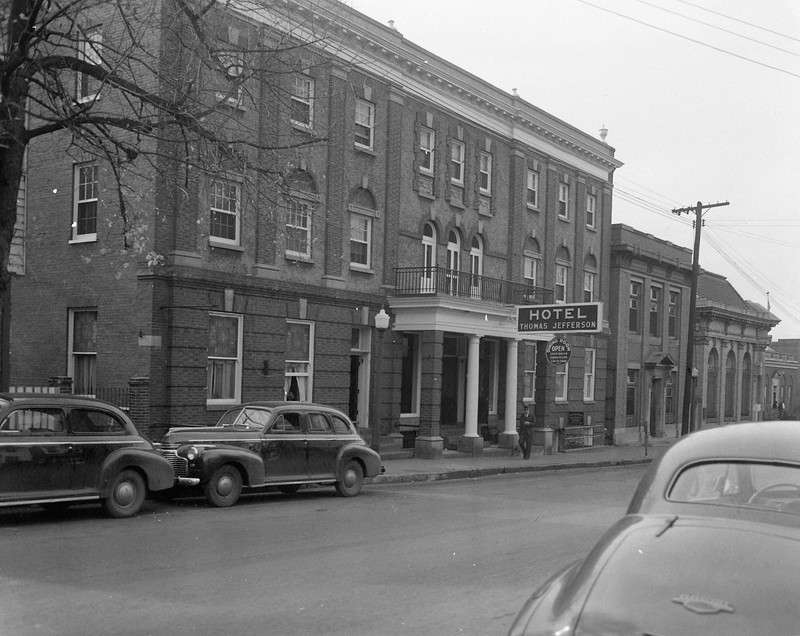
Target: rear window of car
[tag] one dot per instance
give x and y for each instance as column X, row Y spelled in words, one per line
column 340, row 426
column 93, row 422
column 34, row 421
column 766, row 485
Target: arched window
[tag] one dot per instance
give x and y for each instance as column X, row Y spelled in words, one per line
column 589, row 278
column 711, row 384
column 362, row 213
column 428, row 280
column 476, row 266
column 730, row 383
column 747, row 379
column 531, row 262
column 453, row 262
column 562, row 274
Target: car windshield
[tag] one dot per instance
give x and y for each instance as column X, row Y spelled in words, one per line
column 247, row 417
column 765, row 485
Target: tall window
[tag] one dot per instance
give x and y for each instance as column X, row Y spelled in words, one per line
column 302, row 102
column 589, row 278
column 90, row 50
column 562, row 272
column 428, row 258
column 83, row 350
column 530, row 272
column 747, row 378
column 563, row 200
column 224, row 367
column 634, row 300
column 476, row 266
column 562, row 375
column 453, row 262
column 730, row 383
column 630, row 397
column 656, row 295
column 589, row 375
column 485, row 176
column 532, row 197
column 712, row 389
column 591, row 210
column 365, row 124
column 427, row 142
column 409, row 375
column 360, row 240
column 225, row 212
column 528, row 371
column 84, row 223
column 298, row 228
column 299, row 356
column 457, row 162
column 674, row 313
column 232, row 63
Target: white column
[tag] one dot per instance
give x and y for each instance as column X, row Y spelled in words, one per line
column 512, row 348
column 471, row 415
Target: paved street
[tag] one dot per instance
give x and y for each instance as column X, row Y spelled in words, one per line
column 450, row 557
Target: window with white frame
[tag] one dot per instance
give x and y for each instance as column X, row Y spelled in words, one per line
column 476, row 266
column 532, row 198
column 84, row 221
column 298, row 228
column 302, row 102
column 634, row 307
column 298, row 370
column 563, row 200
column 365, row 124
column 485, row 174
column 360, row 240
column 225, row 212
column 562, row 274
column 528, row 371
column 224, row 366
column 82, row 361
column 427, row 282
column 591, row 210
column 562, row 376
column 656, row 296
column 457, row 153
column 410, row 370
column 90, row 49
column 589, row 278
column 530, row 272
column 674, row 313
column 589, row 375
column 427, row 142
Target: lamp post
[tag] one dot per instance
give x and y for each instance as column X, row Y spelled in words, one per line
column 381, row 325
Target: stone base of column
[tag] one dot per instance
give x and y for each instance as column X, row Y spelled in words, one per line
column 471, row 445
column 507, row 440
column 543, row 437
column 428, row 447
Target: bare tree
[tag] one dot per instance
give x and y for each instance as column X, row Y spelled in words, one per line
column 166, row 87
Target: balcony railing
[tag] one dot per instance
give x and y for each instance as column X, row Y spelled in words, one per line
column 439, row 281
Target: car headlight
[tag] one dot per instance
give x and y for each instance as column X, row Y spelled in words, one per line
column 189, row 452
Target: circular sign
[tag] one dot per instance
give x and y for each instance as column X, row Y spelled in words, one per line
column 558, row 351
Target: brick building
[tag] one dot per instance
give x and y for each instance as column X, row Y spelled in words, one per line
column 782, row 377
column 422, row 190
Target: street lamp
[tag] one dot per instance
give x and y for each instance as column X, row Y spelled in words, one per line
column 381, row 325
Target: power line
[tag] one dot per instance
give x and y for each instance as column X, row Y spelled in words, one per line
column 729, row 17
column 685, row 37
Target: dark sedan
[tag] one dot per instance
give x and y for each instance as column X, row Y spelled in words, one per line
column 56, row 450
column 710, row 544
column 277, row 444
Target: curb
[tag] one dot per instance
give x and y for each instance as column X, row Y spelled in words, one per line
column 475, row 473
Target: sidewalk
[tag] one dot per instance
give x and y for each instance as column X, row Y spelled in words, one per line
column 402, row 467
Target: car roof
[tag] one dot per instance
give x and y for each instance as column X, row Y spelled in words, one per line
column 272, row 404
column 62, row 398
column 772, row 441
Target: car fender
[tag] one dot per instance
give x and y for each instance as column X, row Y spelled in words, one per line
column 367, row 456
column 156, row 470
column 250, row 463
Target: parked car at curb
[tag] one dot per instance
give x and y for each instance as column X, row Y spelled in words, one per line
column 57, row 450
column 710, row 544
column 278, row 444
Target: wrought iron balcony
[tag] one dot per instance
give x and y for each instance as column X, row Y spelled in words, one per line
column 439, row 281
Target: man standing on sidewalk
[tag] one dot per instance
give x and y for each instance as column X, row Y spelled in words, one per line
column 526, row 423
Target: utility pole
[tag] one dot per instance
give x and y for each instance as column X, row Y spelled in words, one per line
column 688, row 379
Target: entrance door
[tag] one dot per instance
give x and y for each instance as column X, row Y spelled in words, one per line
column 453, row 379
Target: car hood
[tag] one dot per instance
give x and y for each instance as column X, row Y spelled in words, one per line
column 692, row 576
column 211, row 435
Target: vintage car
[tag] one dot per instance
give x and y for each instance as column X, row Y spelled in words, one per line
column 277, row 444
column 56, row 450
column 710, row 544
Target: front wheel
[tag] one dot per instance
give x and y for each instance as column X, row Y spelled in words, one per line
column 224, row 487
column 352, row 479
column 126, row 494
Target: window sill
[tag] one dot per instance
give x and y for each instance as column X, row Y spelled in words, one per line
column 361, row 269
column 565, row 219
column 84, row 238
column 308, row 129
column 225, row 246
column 365, row 150
column 592, row 228
column 532, row 208
column 299, row 259
column 230, row 102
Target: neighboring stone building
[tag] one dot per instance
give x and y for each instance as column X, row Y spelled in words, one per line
column 433, row 195
column 649, row 313
column 782, row 377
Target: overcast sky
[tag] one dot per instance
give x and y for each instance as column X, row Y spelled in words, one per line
column 701, row 100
